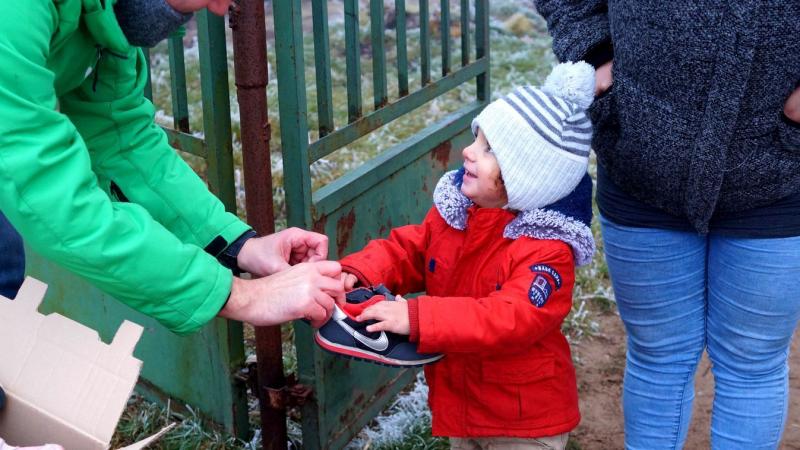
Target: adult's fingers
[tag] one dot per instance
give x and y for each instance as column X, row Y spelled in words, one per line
column 315, row 314
column 329, row 268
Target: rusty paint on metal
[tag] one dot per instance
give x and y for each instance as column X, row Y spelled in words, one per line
column 250, row 68
column 344, row 230
column 441, row 153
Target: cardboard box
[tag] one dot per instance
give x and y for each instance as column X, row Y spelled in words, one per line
column 62, row 384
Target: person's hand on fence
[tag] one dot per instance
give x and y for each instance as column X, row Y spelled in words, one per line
column 391, row 316
column 603, row 78
column 218, row 7
column 305, row 291
column 792, row 106
column 271, row 254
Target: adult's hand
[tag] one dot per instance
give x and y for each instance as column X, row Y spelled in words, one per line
column 270, row 254
column 792, row 106
column 603, row 78
column 305, row 291
column 218, row 7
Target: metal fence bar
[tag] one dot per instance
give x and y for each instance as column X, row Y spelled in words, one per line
column 343, row 136
column 187, row 143
column 331, row 196
column 216, row 106
column 445, row 23
column 353, row 59
column 378, row 55
column 465, row 47
column 482, row 46
column 425, row 41
column 402, row 43
column 292, row 106
column 177, row 71
column 250, row 66
column 322, row 66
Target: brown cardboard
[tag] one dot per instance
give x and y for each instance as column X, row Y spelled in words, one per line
column 63, row 385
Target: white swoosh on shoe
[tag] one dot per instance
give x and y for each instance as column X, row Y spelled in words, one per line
column 378, row 344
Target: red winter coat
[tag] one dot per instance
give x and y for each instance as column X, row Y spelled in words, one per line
column 494, row 306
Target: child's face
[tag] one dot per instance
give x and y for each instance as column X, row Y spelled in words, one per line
column 482, row 182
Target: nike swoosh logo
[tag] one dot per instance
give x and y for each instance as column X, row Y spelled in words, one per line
column 378, row 344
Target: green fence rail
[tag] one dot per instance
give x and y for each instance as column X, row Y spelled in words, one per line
column 392, row 189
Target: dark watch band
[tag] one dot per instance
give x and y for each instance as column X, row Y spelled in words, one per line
column 228, row 257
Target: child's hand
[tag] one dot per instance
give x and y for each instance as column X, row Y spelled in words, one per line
column 391, row 316
column 349, row 280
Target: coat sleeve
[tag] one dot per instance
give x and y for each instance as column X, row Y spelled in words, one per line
column 50, row 194
column 511, row 318
column 117, row 124
column 579, row 29
column 396, row 262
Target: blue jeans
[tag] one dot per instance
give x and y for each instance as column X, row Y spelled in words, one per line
column 679, row 293
column 12, row 259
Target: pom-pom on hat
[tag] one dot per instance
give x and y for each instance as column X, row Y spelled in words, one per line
column 541, row 136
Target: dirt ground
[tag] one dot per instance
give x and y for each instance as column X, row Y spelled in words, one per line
column 601, row 361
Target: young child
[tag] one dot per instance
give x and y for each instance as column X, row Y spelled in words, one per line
column 496, row 257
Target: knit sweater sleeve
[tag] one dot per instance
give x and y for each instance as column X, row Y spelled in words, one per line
column 148, row 22
column 579, row 29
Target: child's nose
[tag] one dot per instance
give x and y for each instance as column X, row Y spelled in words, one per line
column 467, row 153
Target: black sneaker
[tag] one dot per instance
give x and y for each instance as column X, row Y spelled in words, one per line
column 343, row 335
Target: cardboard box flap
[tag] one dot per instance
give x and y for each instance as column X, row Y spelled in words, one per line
column 63, row 368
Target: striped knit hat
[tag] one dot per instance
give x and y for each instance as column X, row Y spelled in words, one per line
column 541, row 136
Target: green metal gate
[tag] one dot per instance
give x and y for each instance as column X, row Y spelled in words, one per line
column 392, row 189
column 197, row 369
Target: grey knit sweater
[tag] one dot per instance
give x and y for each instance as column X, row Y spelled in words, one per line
column 693, row 123
column 147, row 22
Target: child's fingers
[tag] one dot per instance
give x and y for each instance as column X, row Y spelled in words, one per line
column 380, row 326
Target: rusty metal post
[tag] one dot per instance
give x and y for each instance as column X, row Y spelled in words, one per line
column 250, row 67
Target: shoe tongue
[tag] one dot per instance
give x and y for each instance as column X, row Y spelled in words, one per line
column 354, row 309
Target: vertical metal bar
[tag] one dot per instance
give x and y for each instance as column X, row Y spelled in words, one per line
column 378, row 54
column 177, row 71
column 148, row 87
column 292, row 108
column 353, row 59
column 465, row 48
column 250, row 67
column 425, row 41
column 297, row 175
column 402, row 44
column 217, row 129
column 482, row 47
column 322, row 65
column 445, row 23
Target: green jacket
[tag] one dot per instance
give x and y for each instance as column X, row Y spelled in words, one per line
column 62, row 142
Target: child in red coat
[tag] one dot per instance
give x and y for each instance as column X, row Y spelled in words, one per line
column 496, row 257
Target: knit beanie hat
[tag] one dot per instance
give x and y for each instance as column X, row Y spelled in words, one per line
column 541, row 136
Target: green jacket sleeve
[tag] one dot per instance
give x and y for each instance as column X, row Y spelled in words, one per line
column 51, row 195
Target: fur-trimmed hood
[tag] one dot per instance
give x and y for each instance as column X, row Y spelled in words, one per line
column 567, row 220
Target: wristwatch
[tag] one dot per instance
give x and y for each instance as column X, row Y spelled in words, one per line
column 228, row 257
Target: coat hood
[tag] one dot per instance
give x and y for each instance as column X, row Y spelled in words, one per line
column 567, row 220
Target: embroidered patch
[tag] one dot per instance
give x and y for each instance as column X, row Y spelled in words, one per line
column 544, row 268
column 540, row 291
column 431, row 265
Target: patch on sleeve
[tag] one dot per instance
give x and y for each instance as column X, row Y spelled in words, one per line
column 540, row 291
column 544, row 268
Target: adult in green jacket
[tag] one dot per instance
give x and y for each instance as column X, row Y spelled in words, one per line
column 73, row 119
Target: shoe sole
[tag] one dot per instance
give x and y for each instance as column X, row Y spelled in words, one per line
column 363, row 355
